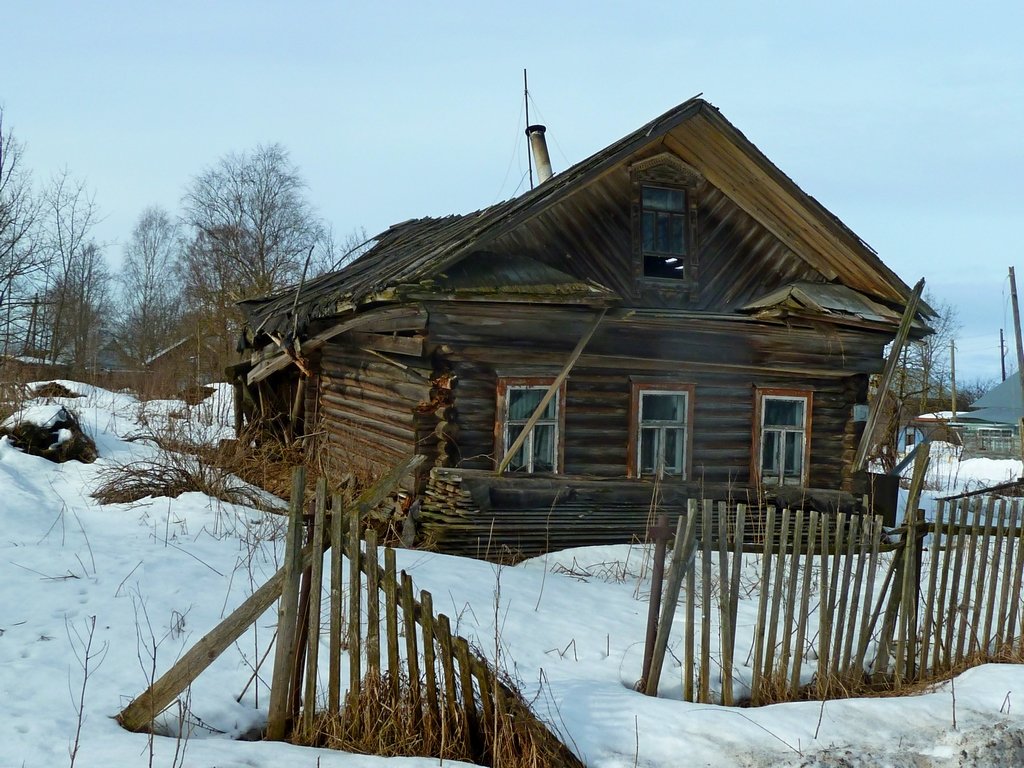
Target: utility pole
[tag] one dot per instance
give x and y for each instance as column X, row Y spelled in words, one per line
column 1002, row 354
column 1020, row 358
column 952, row 374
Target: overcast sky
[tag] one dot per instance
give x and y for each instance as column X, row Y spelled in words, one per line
column 905, row 119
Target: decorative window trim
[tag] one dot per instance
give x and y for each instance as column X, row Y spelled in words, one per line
column 756, row 458
column 637, row 388
column 667, row 171
column 505, row 383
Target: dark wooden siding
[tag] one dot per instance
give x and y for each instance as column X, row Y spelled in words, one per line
column 724, row 359
column 373, row 413
column 589, row 235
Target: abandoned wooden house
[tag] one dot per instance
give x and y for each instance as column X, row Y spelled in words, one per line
column 672, row 312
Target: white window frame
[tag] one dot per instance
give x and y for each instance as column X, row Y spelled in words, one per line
column 503, row 431
column 640, row 389
column 782, row 430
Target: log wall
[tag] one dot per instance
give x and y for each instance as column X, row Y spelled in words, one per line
column 725, row 360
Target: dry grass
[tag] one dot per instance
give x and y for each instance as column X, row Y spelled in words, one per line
column 384, row 720
column 59, row 441
column 171, row 475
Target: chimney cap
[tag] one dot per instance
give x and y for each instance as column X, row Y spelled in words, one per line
column 532, row 129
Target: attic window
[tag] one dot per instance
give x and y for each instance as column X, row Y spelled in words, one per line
column 663, row 236
column 665, row 220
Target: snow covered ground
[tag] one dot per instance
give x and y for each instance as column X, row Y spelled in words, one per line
column 90, row 595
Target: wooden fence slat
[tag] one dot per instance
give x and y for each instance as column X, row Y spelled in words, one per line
column 874, row 533
column 782, row 545
column 411, row 649
column 757, row 678
column 739, row 537
column 805, row 600
column 680, row 566
column 468, row 695
column 929, row 600
column 844, row 616
column 724, row 605
column 792, row 587
column 968, row 575
column 824, row 616
column 1010, row 597
column 284, row 654
column 953, row 612
column 433, row 709
column 315, row 591
column 979, row 578
column 336, row 620
column 372, row 605
column 993, row 582
column 704, row 688
column 941, row 620
column 355, row 589
column 390, row 586
column 443, row 633
column 907, row 586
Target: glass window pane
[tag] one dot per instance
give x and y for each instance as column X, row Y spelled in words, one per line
column 544, row 448
column 648, row 451
column 673, row 451
column 770, row 454
column 520, row 461
column 794, row 454
column 678, row 235
column 523, row 401
column 783, row 412
column 663, row 199
column 662, row 407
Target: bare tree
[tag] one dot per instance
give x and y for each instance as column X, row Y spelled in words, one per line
column 151, row 301
column 20, row 254
column 77, row 278
column 253, row 232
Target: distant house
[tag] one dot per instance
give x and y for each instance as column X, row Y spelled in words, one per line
column 188, row 361
column 672, row 306
column 992, row 425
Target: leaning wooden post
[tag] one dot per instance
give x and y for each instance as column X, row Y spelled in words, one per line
column 284, row 656
column 315, row 588
column 659, row 533
column 682, row 558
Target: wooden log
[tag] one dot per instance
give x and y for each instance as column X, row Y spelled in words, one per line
column 315, row 591
column 284, row 656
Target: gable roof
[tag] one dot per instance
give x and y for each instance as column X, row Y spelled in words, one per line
column 417, row 250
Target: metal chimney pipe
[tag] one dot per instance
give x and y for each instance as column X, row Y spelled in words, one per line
column 540, row 152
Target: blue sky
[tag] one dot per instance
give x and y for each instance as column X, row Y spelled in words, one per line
column 904, row 119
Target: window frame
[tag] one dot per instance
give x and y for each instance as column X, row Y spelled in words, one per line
column 501, row 420
column 640, row 387
column 666, row 171
column 757, row 449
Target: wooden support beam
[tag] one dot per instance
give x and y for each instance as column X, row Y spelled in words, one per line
column 887, row 373
column 543, row 404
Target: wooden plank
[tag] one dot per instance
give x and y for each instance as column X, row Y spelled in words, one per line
column 468, row 697
column 1016, row 547
column 315, row 591
column 410, row 346
column 874, row 410
column 867, row 620
column 979, row 580
column 949, row 655
column 543, row 404
column 777, row 597
column 863, row 542
column 724, row 606
column 284, row 655
column 805, row 599
column 930, row 616
column 443, row 632
column 824, row 612
column 843, row 616
column 364, row 320
column 962, row 638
